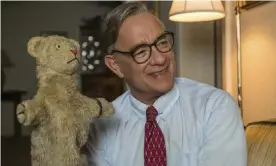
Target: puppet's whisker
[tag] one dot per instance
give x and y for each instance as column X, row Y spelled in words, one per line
column 73, row 60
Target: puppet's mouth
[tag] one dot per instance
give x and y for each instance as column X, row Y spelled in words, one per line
column 73, row 60
column 75, row 53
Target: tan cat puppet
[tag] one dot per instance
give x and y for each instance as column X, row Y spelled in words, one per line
column 59, row 113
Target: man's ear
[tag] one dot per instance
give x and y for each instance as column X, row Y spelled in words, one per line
column 110, row 63
column 33, row 44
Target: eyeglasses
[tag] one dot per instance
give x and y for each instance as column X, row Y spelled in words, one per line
column 141, row 53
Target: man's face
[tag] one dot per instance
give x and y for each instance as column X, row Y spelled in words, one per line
column 154, row 76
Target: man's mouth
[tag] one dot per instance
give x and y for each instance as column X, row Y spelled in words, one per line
column 157, row 73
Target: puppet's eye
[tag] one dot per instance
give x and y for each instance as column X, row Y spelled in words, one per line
column 58, row 46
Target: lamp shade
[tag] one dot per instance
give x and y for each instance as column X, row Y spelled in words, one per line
column 196, row 10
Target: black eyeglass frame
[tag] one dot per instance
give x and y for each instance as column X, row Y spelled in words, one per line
column 148, row 45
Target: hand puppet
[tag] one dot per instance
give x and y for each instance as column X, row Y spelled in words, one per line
column 58, row 113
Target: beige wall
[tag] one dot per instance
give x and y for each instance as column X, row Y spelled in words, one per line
column 229, row 51
column 196, row 51
column 258, row 51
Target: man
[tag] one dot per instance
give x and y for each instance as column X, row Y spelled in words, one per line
column 161, row 120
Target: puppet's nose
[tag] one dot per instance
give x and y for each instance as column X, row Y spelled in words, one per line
column 74, row 52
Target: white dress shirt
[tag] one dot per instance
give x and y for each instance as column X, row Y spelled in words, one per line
column 201, row 124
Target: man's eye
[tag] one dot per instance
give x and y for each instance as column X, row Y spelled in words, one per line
column 163, row 42
column 140, row 53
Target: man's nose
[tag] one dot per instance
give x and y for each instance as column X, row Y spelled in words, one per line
column 157, row 58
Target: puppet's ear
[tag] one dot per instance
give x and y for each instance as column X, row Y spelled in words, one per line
column 76, row 44
column 33, row 45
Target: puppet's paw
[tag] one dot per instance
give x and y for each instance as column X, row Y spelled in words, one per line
column 20, row 112
column 107, row 107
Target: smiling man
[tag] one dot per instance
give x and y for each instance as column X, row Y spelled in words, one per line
column 161, row 120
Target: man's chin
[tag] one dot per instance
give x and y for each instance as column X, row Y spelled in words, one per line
column 163, row 87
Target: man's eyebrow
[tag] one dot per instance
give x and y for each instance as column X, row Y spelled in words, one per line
column 137, row 45
column 145, row 43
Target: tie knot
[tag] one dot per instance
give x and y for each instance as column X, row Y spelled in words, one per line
column 151, row 113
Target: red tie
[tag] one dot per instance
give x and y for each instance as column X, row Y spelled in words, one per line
column 154, row 145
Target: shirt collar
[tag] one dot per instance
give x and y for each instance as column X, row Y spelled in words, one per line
column 163, row 104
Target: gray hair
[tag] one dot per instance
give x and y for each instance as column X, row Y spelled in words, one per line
column 115, row 18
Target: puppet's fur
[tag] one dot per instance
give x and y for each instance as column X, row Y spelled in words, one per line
column 59, row 113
